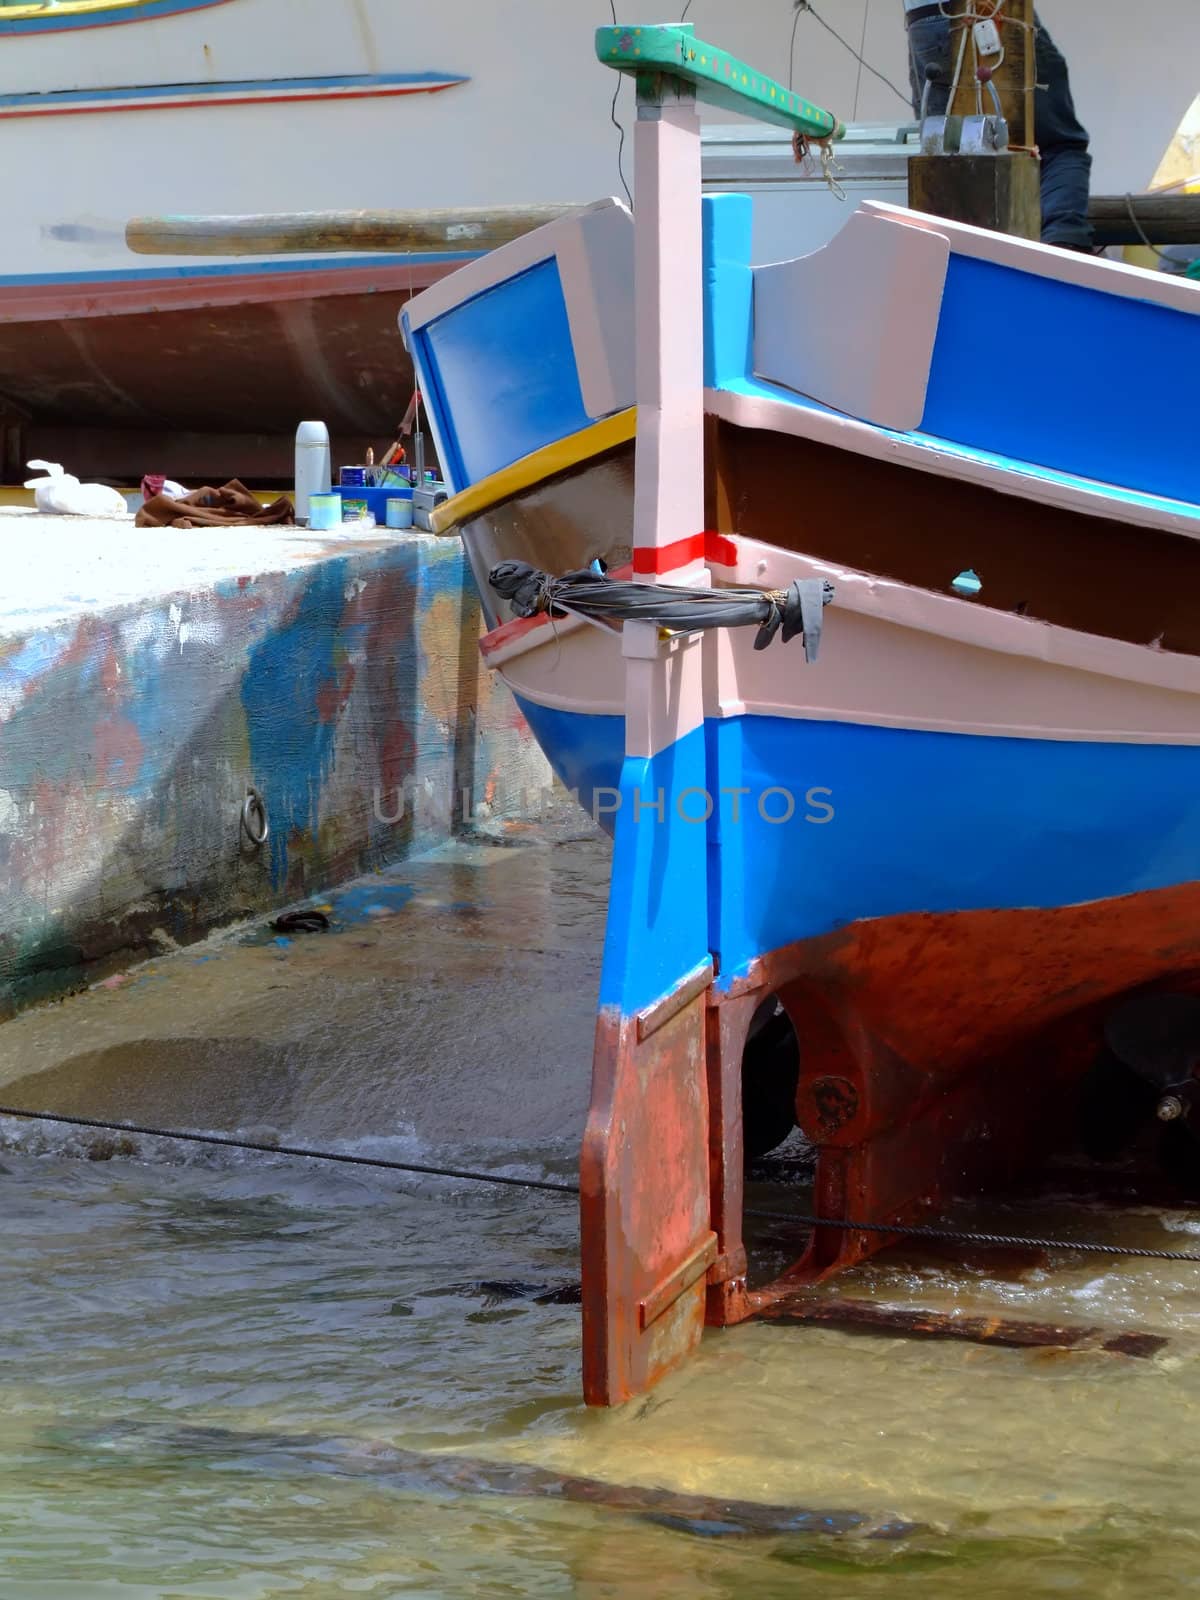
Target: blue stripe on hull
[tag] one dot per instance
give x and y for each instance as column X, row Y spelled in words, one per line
column 657, row 929
column 921, row 822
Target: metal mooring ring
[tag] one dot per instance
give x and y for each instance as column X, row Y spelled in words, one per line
column 254, row 818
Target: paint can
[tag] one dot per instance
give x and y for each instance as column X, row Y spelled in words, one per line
column 399, row 512
column 354, row 478
column 325, row 511
column 357, row 510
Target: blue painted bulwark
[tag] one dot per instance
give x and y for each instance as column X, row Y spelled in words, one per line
column 728, row 226
column 502, row 374
column 1082, row 426
column 1118, row 391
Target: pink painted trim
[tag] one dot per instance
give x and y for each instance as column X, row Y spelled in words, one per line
column 873, row 364
column 54, row 302
column 769, row 567
column 911, row 658
column 895, row 656
column 1045, row 261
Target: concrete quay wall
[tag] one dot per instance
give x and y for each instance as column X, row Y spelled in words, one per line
column 149, row 679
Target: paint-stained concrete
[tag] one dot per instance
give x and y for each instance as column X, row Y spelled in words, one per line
column 149, row 677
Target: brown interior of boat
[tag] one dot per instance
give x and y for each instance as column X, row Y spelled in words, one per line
column 1088, row 573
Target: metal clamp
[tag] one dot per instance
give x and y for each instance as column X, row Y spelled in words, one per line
column 254, row 818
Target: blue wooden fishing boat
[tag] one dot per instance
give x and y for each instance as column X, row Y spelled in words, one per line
column 954, row 846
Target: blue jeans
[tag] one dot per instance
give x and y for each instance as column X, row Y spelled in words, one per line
column 1063, row 142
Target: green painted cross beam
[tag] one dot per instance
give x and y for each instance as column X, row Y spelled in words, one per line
column 718, row 78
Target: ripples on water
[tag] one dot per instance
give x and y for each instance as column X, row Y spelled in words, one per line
column 227, row 1377
column 246, row 1377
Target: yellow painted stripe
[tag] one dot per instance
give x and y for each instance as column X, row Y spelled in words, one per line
column 545, row 463
column 68, row 8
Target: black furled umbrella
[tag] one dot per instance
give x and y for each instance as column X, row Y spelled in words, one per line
column 795, row 610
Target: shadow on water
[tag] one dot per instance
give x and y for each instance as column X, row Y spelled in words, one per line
column 410, row 1472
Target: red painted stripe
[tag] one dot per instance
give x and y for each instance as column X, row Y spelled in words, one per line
column 707, row 546
column 263, row 98
column 720, row 550
column 508, row 631
column 657, row 559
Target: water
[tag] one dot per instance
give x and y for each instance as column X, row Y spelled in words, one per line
column 248, row 1376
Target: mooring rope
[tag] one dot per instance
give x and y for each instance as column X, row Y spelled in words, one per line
column 467, row 1175
column 342, row 1157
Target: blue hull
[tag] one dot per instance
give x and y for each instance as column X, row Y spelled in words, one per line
column 837, row 823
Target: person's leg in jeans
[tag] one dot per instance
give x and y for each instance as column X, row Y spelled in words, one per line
column 929, row 46
column 1066, row 163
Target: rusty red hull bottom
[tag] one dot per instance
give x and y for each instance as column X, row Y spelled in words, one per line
column 941, row 1055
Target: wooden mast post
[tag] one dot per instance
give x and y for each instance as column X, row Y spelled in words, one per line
column 648, row 1232
column 958, row 174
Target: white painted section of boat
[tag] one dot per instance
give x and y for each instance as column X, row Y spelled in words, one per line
column 1022, row 481
column 898, row 657
column 853, row 324
column 532, row 125
column 566, row 668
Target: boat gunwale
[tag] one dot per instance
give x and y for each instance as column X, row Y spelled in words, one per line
column 1090, row 497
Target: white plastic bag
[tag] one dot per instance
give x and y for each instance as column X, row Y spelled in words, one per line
column 61, row 495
